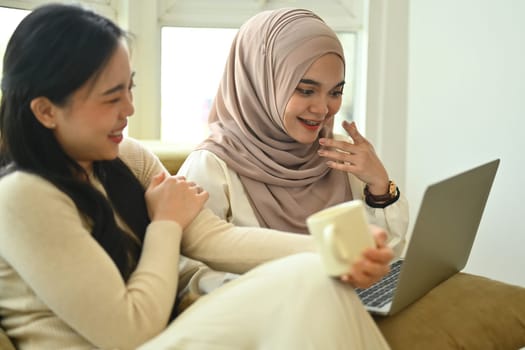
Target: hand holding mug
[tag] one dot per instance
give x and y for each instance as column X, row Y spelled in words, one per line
column 374, row 263
column 341, row 233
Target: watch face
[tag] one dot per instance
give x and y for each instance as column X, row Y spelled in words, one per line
column 392, row 192
column 392, row 189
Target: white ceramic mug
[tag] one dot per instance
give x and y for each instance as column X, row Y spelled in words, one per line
column 341, row 233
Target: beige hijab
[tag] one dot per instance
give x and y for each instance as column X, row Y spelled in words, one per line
column 285, row 181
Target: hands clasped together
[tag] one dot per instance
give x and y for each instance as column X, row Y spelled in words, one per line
column 173, row 198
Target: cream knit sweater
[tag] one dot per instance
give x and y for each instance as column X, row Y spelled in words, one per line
column 60, row 290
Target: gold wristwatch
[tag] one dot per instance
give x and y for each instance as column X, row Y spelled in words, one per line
column 383, row 200
column 392, row 191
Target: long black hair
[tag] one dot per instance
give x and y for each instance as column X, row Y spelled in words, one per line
column 53, row 52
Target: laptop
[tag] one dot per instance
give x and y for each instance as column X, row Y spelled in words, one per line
column 441, row 241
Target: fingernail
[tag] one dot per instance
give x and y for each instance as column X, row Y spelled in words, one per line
column 322, row 141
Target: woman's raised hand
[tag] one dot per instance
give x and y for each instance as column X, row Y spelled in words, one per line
column 374, row 262
column 358, row 158
column 173, row 198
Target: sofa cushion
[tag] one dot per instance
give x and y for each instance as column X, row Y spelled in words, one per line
column 5, row 343
column 464, row 312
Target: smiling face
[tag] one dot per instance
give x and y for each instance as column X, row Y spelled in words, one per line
column 315, row 100
column 89, row 127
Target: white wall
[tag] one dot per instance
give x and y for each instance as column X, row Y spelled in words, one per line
column 466, row 105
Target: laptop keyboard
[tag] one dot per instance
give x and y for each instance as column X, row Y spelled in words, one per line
column 382, row 291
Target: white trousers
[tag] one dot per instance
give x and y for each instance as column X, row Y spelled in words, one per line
column 286, row 304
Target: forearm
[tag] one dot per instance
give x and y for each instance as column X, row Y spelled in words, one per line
column 226, row 247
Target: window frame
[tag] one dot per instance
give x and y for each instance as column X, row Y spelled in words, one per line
column 345, row 15
column 108, row 8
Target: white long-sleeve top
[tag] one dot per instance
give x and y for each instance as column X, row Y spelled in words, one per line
column 229, row 200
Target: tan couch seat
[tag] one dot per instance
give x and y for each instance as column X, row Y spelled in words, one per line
column 465, row 312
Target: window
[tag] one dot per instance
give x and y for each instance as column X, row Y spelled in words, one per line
column 13, row 11
column 187, row 93
column 192, row 65
column 9, row 20
column 349, row 41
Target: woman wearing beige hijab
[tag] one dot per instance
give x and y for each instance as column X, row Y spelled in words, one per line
column 271, row 159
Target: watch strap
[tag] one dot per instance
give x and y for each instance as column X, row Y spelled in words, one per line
column 383, row 200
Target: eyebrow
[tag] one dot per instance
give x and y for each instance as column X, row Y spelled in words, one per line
column 316, row 83
column 118, row 87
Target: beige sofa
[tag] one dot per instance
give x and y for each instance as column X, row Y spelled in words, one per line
column 465, row 312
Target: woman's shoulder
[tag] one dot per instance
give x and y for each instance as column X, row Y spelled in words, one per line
column 22, row 181
column 131, row 148
column 205, row 155
column 142, row 161
column 22, row 188
column 202, row 160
